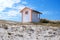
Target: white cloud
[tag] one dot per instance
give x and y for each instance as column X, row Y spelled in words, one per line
column 19, row 7
column 12, row 13
column 7, row 3
column 8, row 15
column 0, row 16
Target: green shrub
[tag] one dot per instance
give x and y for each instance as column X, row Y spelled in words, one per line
column 48, row 21
column 44, row 21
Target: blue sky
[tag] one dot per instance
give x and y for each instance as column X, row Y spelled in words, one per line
column 10, row 9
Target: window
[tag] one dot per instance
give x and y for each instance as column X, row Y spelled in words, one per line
column 26, row 12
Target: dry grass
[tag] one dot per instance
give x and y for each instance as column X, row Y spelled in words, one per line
column 50, row 24
column 44, row 23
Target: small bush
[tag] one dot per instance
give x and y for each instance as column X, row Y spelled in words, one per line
column 44, row 21
column 58, row 22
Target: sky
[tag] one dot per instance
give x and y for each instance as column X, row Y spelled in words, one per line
column 10, row 9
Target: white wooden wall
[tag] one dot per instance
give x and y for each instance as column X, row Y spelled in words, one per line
column 35, row 17
column 26, row 17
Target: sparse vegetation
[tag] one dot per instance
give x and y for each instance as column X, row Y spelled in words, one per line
column 43, row 22
column 46, row 22
column 49, row 23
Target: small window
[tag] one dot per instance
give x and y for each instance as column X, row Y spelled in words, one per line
column 26, row 12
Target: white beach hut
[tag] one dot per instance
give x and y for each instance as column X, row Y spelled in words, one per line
column 30, row 15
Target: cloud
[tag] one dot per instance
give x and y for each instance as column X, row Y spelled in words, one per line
column 9, row 15
column 7, row 3
column 12, row 13
column 3, row 16
column 0, row 16
column 19, row 7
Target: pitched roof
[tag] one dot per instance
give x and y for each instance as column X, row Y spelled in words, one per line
column 31, row 9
